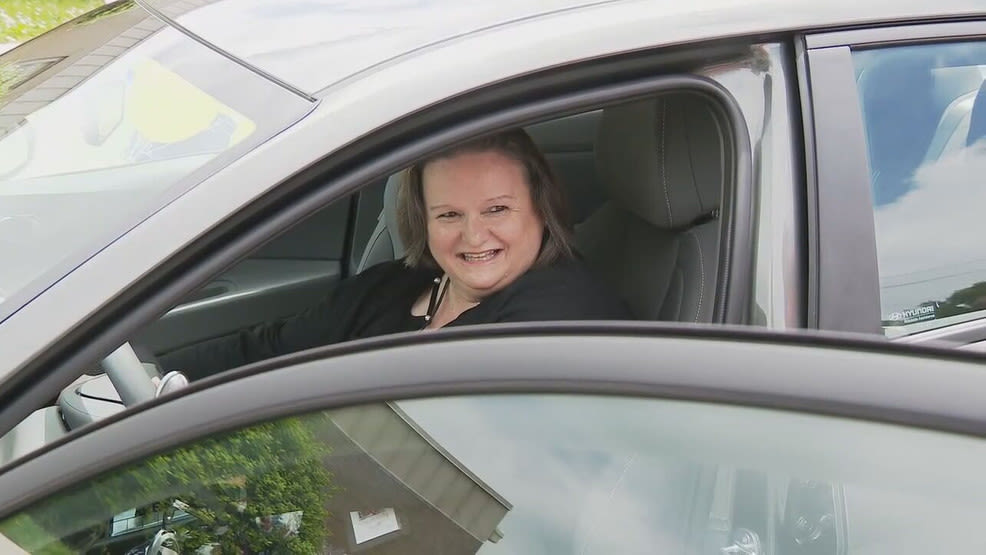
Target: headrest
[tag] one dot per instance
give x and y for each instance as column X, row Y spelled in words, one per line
column 390, row 214
column 664, row 158
column 977, row 121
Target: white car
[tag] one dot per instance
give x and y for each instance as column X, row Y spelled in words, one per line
column 787, row 194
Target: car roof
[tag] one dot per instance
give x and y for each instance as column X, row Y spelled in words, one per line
column 312, row 44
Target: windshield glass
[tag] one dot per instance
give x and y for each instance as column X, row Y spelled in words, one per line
column 93, row 142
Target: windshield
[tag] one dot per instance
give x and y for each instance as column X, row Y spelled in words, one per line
column 93, row 143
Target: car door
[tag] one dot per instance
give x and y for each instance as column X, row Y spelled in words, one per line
column 575, row 439
column 895, row 120
column 281, row 278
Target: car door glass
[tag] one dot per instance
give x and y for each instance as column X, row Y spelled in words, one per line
column 925, row 117
column 531, row 474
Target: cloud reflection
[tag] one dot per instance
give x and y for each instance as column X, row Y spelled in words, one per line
column 930, row 240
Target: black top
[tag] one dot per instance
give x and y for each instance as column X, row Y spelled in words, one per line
column 378, row 301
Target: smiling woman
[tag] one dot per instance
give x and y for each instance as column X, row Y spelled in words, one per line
column 488, row 241
column 510, row 219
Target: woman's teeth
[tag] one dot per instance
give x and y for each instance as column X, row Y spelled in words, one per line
column 479, row 256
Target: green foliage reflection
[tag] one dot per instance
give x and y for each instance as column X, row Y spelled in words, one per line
column 230, row 485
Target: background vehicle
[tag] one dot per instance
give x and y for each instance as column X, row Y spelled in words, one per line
column 165, row 177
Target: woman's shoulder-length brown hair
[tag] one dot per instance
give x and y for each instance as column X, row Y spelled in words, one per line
column 547, row 196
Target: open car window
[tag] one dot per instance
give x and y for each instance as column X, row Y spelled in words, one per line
column 531, row 474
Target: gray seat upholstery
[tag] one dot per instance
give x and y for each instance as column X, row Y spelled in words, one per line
column 385, row 243
column 656, row 240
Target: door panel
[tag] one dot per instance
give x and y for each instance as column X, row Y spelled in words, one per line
column 287, row 275
column 256, row 290
column 559, row 442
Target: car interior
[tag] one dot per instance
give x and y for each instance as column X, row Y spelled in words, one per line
column 644, row 179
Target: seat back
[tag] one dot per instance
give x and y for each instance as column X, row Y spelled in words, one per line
column 663, row 161
column 385, row 243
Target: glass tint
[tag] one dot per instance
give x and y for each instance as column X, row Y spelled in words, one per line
column 532, row 474
column 925, row 116
column 120, row 116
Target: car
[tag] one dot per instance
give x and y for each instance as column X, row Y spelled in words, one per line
column 784, row 190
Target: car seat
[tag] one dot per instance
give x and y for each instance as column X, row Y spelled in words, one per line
column 663, row 161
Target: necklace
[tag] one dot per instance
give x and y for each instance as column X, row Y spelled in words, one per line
column 437, row 295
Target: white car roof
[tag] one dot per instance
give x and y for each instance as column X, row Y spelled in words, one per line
column 313, row 44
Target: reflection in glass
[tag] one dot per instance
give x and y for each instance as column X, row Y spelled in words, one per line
column 102, row 122
column 583, row 475
column 925, row 117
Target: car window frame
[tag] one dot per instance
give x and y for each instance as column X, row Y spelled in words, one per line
column 797, row 372
column 341, row 173
column 845, row 289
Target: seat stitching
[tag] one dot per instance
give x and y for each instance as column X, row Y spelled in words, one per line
column 701, row 266
column 664, row 166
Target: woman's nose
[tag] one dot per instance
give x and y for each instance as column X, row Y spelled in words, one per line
column 475, row 231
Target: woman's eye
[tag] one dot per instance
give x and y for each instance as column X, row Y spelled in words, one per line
column 446, row 215
column 499, row 208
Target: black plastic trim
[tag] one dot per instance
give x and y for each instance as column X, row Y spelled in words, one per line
column 791, row 372
column 501, row 106
column 883, row 36
column 811, row 183
column 347, row 246
column 734, row 281
column 848, row 285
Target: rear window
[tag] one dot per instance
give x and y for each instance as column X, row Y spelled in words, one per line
column 92, row 144
column 924, row 108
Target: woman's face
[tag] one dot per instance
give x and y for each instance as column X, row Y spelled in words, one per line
column 483, row 229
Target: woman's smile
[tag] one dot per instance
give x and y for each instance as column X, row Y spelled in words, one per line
column 480, row 257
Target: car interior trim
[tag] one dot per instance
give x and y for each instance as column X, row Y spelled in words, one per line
column 811, row 182
column 802, row 373
column 346, row 170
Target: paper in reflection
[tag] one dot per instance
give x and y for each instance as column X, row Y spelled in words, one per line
column 369, row 525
